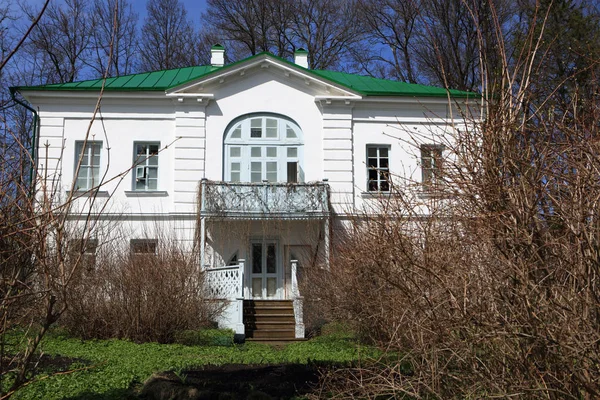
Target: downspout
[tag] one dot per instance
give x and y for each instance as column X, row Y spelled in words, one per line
column 34, row 138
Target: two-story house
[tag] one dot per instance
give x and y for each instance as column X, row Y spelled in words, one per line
column 254, row 163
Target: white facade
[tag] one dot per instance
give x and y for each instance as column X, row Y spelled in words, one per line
column 189, row 124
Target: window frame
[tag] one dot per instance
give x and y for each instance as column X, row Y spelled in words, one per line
column 144, row 166
column 87, row 146
column 246, row 164
column 432, row 166
column 383, row 173
column 152, row 243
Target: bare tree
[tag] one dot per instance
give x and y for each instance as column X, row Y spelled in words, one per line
column 390, row 25
column 63, row 40
column 251, row 27
column 326, row 29
column 494, row 293
column 116, row 20
column 168, row 38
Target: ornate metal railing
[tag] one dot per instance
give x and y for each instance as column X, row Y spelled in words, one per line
column 226, row 283
column 264, row 200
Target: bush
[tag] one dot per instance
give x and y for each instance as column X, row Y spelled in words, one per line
column 141, row 298
column 205, row 337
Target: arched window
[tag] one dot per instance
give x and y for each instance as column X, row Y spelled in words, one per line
column 262, row 147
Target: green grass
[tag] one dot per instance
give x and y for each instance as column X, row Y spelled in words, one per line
column 116, row 366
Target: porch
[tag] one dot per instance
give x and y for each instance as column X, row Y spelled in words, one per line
column 254, row 237
column 267, row 319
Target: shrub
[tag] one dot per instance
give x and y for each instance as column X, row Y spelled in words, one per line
column 141, row 298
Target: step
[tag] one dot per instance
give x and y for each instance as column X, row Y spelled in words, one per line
column 261, row 325
column 260, row 303
column 269, row 311
column 289, row 318
column 273, row 333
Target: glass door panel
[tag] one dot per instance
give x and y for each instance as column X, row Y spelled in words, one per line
column 265, row 270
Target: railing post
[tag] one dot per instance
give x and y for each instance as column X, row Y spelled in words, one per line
column 298, row 302
column 202, row 221
column 239, row 326
column 295, row 291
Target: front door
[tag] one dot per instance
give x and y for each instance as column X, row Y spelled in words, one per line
column 264, row 276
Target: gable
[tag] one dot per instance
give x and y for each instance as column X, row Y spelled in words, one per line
column 262, row 68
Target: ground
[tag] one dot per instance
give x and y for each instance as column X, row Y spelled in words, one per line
column 235, row 381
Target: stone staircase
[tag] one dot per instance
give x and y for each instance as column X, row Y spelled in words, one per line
column 269, row 320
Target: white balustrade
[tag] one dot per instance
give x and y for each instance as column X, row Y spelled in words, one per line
column 230, row 199
column 225, row 282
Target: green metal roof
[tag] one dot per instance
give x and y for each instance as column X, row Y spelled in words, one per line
column 168, row 79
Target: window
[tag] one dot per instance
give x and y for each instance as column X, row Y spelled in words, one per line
column 88, row 158
column 140, row 247
column 378, row 168
column 431, row 166
column 145, row 166
column 263, row 147
column 83, row 252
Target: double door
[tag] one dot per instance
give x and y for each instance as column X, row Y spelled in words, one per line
column 265, row 270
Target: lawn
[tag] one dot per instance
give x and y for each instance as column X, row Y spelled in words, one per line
column 111, row 369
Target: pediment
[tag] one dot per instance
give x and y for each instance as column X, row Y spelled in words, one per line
column 257, row 69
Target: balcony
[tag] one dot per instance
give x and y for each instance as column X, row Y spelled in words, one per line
column 264, row 200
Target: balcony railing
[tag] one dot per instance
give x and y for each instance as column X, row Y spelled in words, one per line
column 264, row 200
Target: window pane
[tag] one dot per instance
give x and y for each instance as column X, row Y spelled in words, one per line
column 372, row 152
column 235, row 151
column 271, row 151
column 272, row 171
column 237, row 133
column 256, row 258
column 152, row 172
column 85, row 159
column 255, row 151
column 235, row 177
column 235, row 166
column 152, row 184
column 384, row 163
column 271, row 259
column 255, row 172
column 292, row 152
column 153, row 160
column 271, row 128
column 256, row 166
column 290, row 133
column 271, row 287
column 383, row 152
column 257, row 287
column 256, row 128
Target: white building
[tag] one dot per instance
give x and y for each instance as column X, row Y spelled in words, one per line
column 280, row 153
